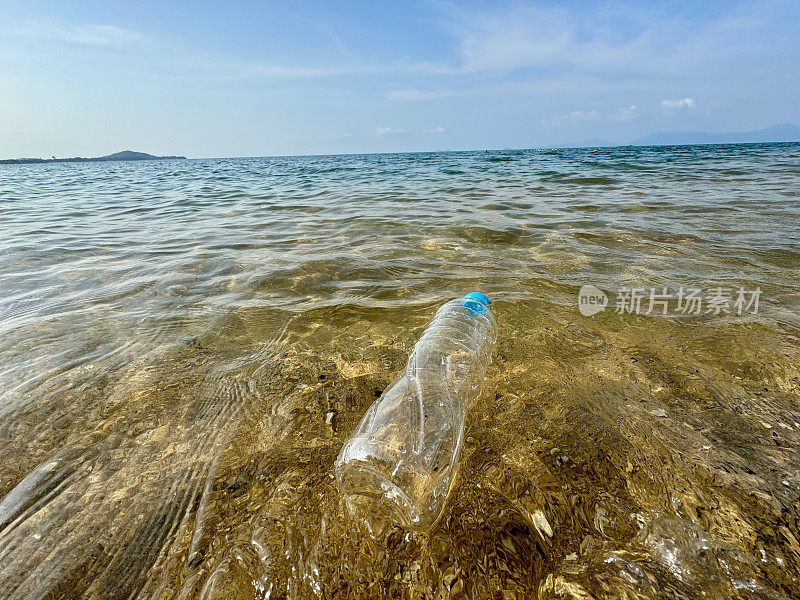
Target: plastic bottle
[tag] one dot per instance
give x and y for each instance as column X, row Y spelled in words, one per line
column 399, row 464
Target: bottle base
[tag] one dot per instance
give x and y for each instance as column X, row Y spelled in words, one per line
column 377, row 502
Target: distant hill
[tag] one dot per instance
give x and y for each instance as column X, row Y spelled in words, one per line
column 117, row 156
column 777, row 133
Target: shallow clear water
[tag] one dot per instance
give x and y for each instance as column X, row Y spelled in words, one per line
column 175, row 338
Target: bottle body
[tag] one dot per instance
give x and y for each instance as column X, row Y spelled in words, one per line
column 399, row 464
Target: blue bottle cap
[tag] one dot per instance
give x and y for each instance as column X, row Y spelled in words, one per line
column 482, row 298
column 477, row 302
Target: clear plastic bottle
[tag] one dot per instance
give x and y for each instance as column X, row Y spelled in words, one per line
column 399, row 464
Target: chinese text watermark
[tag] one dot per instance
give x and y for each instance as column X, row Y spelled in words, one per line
column 684, row 300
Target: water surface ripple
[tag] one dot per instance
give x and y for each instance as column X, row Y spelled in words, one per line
column 185, row 346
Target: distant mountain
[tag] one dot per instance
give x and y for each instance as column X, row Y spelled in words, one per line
column 117, row 156
column 130, row 155
column 777, row 133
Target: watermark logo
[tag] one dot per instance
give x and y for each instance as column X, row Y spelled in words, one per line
column 591, row 300
column 716, row 300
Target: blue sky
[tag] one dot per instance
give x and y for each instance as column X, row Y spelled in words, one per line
column 235, row 79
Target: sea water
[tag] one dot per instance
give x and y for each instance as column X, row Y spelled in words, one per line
column 186, row 345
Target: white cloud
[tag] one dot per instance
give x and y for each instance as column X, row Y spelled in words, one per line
column 84, row 35
column 412, row 95
column 555, row 41
column 599, row 47
column 507, row 39
column 685, row 104
column 388, row 131
column 435, row 130
column 528, row 87
column 577, row 117
column 573, row 118
column 522, row 36
column 257, row 70
column 626, row 114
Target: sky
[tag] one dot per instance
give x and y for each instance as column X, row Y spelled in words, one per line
column 219, row 79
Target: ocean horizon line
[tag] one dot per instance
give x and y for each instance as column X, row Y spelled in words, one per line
column 544, row 148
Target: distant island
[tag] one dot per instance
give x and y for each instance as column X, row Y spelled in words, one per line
column 118, row 156
column 777, row 133
column 786, row 132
